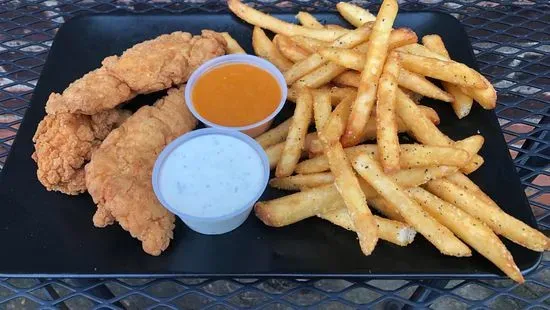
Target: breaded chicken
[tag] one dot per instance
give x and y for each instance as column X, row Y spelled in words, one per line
column 119, row 174
column 147, row 67
column 64, row 144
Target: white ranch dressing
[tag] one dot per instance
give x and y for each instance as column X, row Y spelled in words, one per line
column 211, row 175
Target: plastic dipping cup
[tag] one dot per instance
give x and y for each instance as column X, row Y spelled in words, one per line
column 252, row 130
column 211, row 178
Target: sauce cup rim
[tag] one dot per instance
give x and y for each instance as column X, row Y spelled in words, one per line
column 203, row 132
column 236, row 59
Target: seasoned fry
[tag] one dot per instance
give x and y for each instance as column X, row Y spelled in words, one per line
column 308, row 20
column 348, row 78
column 274, row 154
column 437, row 234
column 309, row 44
column 263, row 47
column 233, row 46
column 302, row 181
column 321, row 76
column 296, row 134
column 490, row 213
column 303, row 67
column 463, row 181
column 445, row 70
column 472, row 144
column 424, row 131
column 345, row 57
column 386, row 120
column 462, row 103
column 289, row 49
column 387, row 209
column 411, row 156
column 369, row 133
column 322, row 107
column 355, row 15
column 293, row 208
column 353, row 37
column 395, row 232
column 418, row 125
column 374, row 62
column 420, row 50
column 473, row 232
column 486, row 97
column 348, row 186
column 274, row 135
column 266, row 21
column 336, row 123
column 420, row 85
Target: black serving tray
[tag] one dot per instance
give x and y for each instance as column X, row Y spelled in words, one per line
column 50, row 234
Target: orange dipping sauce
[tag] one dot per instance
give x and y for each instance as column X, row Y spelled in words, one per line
column 236, row 95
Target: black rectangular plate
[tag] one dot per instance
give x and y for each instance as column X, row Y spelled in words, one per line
column 45, row 233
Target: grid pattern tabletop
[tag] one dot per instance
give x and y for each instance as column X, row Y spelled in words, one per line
column 511, row 40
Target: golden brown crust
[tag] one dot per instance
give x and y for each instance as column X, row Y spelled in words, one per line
column 146, row 67
column 119, row 174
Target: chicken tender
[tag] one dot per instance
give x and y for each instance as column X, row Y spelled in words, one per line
column 119, row 174
column 147, row 67
column 64, row 144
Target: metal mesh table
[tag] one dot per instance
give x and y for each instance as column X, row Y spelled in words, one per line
column 512, row 45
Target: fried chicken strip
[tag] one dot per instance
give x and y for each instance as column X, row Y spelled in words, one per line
column 64, row 144
column 146, row 67
column 119, row 174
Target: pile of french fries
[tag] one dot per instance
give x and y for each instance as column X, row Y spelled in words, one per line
column 363, row 85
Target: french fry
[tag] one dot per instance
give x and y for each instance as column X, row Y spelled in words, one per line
column 486, row 97
column 345, row 57
column 336, row 123
column 315, row 148
column 386, row 120
column 322, row 107
column 302, row 181
column 462, row 103
column 308, row 20
column 320, row 76
column 374, row 62
column 337, row 94
column 420, row 50
column 295, row 140
column 463, row 181
column 293, row 208
column 274, row 154
column 472, row 144
column 263, row 47
column 440, row 236
column 299, row 69
column 348, row 78
column 445, row 70
column 476, row 162
column 424, row 131
column 334, row 26
column 475, row 233
column 309, row 44
column 257, row 18
column 388, row 230
column 353, row 37
column 289, row 49
column 500, row 222
column 355, row 15
column 420, row 85
column 347, row 185
column 411, row 156
column 233, row 46
column 274, row 135
column 354, row 60
column 418, row 125
column 387, row 209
